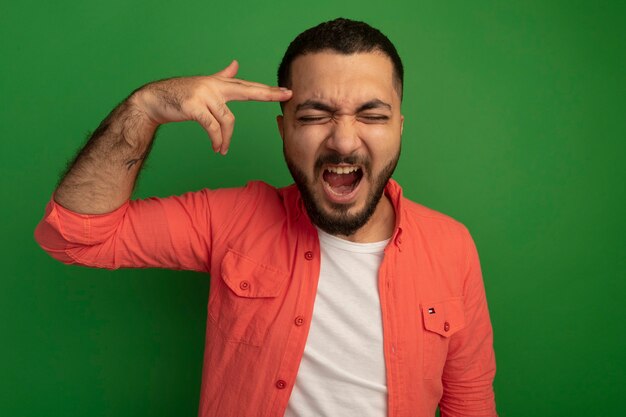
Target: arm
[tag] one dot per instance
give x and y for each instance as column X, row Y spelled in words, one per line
column 470, row 366
column 90, row 220
column 103, row 175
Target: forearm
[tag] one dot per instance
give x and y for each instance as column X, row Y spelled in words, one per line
column 470, row 366
column 103, row 175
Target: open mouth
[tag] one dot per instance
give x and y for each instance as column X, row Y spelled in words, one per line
column 341, row 181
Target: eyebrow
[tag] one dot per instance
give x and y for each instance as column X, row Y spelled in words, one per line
column 318, row 105
column 374, row 104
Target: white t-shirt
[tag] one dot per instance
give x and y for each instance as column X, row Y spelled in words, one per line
column 342, row 372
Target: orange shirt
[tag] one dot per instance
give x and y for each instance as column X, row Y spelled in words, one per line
column 263, row 255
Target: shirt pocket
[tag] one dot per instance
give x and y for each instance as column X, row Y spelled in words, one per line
column 441, row 320
column 248, row 298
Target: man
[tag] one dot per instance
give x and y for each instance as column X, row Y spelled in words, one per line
column 333, row 297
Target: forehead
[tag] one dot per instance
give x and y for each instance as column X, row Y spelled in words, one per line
column 343, row 79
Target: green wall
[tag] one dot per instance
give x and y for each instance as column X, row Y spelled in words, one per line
column 514, row 125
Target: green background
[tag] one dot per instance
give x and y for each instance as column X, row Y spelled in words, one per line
column 514, row 125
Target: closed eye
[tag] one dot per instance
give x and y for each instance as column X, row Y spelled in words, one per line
column 313, row 119
column 371, row 118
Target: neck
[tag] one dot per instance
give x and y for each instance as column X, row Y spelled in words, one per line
column 379, row 227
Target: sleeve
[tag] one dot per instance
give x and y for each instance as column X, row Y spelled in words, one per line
column 172, row 233
column 470, row 365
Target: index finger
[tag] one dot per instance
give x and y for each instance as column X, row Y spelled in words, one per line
column 250, row 92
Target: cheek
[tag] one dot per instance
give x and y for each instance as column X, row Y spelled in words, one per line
column 374, row 131
column 307, row 139
column 380, row 139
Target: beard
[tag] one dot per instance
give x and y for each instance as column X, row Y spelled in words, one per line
column 338, row 221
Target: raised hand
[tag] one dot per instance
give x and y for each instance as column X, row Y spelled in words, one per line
column 203, row 99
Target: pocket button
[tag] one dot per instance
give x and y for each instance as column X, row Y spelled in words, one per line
column 446, row 327
column 244, row 285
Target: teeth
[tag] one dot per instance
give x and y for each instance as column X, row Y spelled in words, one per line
column 342, row 170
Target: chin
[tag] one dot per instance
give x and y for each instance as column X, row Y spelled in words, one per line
column 338, row 217
column 343, row 219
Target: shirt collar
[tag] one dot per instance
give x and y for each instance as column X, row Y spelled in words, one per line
column 394, row 192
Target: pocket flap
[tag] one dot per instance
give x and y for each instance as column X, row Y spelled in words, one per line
column 444, row 317
column 249, row 278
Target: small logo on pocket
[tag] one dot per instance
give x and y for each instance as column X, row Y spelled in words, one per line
column 431, row 310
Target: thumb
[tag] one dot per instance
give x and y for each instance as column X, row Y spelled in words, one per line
column 230, row 71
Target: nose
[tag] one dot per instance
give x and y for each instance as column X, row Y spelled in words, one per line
column 344, row 138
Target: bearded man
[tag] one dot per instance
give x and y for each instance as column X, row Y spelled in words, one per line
column 335, row 296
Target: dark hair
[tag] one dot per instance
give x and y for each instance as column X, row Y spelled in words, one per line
column 346, row 37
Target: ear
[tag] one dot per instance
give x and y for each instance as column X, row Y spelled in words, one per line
column 280, row 122
column 401, row 123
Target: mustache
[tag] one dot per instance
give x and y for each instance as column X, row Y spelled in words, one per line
column 336, row 159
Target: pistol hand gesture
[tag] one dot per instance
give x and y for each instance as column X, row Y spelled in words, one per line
column 203, row 99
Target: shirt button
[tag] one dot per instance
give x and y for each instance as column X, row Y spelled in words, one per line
column 308, row 255
column 244, row 285
column 299, row 321
column 280, row 384
column 446, row 326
